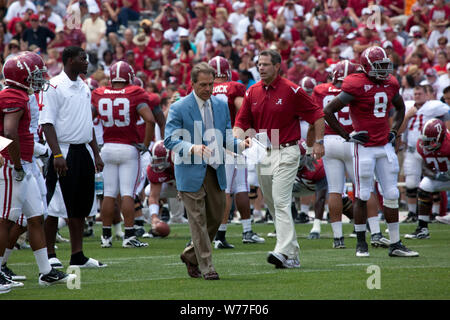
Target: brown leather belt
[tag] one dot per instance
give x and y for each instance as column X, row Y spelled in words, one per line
column 285, row 145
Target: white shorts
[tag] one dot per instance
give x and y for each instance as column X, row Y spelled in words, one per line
column 430, row 185
column 57, row 208
column 303, row 129
column 337, row 161
column 412, row 168
column 121, row 172
column 236, row 179
column 381, row 161
column 252, row 176
column 19, row 197
column 145, row 162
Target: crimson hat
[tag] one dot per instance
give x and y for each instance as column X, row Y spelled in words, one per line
column 34, row 17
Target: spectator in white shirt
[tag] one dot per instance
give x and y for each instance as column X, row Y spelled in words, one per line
column 235, row 17
column 443, row 82
column 58, row 7
column 173, row 34
column 94, row 28
column 209, row 25
column 289, row 11
column 18, row 9
column 250, row 19
column 438, row 32
column 52, row 17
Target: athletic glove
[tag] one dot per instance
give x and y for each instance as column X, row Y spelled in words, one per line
column 391, row 137
column 19, row 174
column 442, row 176
column 360, row 137
column 141, row 148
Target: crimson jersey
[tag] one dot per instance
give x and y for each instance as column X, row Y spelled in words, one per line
column 437, row 160
column 370, row 106
column 154, row 102
column 118, row 111
column 313, row 176
column 228, row 91
column 167, row 175
column 13, row 100
column 322, row 95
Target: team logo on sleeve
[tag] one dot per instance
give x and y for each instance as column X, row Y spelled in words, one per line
column 295, row 90
column 367, row 87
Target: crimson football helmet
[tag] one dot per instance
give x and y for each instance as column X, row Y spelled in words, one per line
column 25, row 71
column 138, row 82
column 433, row 134
column 122, row 72
column 92, row 83
column 160, row 157
column 308, row 84
column 343, row 69
column 221, row 66
column 375, row 63
column 302, row 145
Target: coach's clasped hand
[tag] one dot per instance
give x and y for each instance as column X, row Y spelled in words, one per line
column 360, row 137
column 201, row 150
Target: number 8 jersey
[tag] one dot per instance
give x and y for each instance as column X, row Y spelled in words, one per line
column 369, row 110
column 117, row 109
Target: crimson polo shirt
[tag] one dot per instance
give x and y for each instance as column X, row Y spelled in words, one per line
column 279, row 105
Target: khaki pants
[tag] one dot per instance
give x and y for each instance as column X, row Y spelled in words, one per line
column 276, row 176
column 205, row 211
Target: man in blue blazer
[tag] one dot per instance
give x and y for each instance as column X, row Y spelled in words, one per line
column 198, row 129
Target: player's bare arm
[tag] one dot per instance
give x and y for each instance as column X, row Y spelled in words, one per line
column 146, row 114
column 409, row 114
column 334, row 106
column 160, row 119
column 52, row 140
column 399, row 114
column 11, row 123
column 319, row 128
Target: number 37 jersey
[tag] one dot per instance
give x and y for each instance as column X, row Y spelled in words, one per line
column 117, row 109
column 369, row 110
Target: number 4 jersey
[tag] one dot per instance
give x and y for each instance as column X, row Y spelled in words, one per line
column 369, row 110
column 323, row 94
column 118, row 111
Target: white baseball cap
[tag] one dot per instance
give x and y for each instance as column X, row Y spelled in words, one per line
column 387, row 44
column 238, row 5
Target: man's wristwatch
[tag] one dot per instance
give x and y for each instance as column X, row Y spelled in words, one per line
column 320, row 141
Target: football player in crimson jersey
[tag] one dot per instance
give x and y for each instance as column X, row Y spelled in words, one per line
column 24, row 75
column 119, row 106
column 418, row 112
column 434, row 148
column 237, row 183
column 369, row 94
column 338, row 160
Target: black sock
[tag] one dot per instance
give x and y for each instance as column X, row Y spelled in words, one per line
column 220, row 235
column 423, row 224
column 78, row 258
column 107, row 232
column 361, row 236
column 139, row 223
column 51, row 255
column 129, row 232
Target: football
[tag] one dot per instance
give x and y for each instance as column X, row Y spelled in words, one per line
column 161, row 229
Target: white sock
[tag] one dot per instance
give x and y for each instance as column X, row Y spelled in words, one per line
column 423, row 218
column 223, row 227
column 374, row 224
column 337, row 229
column 304, row 208
column 257, row 213
column 412, row 207
column 42, row 261
column 436, row 208
column 246, row 225
column 316, row 226
column 394, row 232
column 6, row 256
column 360, row 227
column 61, row 223
column 117, row 227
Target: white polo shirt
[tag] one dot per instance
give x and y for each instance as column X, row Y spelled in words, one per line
column 67, row 106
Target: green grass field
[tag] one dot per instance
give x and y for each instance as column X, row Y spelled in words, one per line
column 156, row 272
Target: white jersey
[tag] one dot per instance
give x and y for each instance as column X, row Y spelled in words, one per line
column 34, row 112
column 429, row 110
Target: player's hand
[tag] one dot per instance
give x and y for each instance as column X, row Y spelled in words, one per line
column 19, row 174
column 360, row 137
column 201, row 150
column 141, row 147
column 308, row 161
column 442, row 176
column 318, row 151
column 411, row 111
column 99, row 163
column 391, row 137
column 60, row 166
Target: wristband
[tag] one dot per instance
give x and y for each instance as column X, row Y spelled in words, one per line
column 59, row 155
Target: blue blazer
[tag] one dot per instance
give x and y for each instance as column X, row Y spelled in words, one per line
column 184, row 128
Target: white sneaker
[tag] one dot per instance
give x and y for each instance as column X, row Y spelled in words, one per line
column 55, row 263
column 60, row 238
column 133, row 242
column 106, row 242
column 444, row 219
column 272, row 235
column 92, row 263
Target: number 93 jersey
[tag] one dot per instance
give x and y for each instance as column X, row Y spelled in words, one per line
column 369, row 109
column 323, row 94
column 117, row 109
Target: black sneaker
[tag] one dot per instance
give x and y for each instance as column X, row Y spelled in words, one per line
column 338, row 243
column 5, row 285
column 378, row 240
column 251, row 237
column 302, row 218
column 11, row 275
column 362, row 249
column 411, row 217
column 165, row 214
column 132, row 242
column 314, row 236
column 419, row 233
column 399, row 250
column 54, row 277
column 222, row 244
column 139, row 231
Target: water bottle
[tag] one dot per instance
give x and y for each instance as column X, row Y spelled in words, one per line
column 99, row 184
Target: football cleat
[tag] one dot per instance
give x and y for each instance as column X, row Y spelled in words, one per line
column 251, row 237
column 272, row 234
column 281, row 262
column 106, row 242
column 419, row 233
column 5, row 286
column 353, row 234
column 11, row 275
column 139, row 231
column 338, row 243
column 377, row 240
column 362, row 249
column 60, row 238
column 222, row 244
column 55, row 263
column 399, row 250
column 314, row 236
column 54, row 277
column 132, row 242
column 92, row 263
column 411, row 217
column 302, row 218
